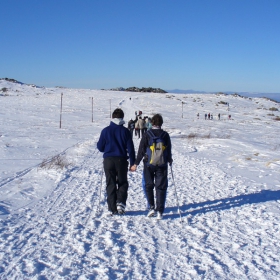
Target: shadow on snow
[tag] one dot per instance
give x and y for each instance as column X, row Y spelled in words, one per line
column 225, row 203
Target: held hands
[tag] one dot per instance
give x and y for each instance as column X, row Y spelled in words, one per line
column 133, row 168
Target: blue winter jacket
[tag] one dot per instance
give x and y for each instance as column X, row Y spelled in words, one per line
column 116, row 141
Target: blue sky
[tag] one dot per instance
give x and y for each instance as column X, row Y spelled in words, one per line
column 209, row 45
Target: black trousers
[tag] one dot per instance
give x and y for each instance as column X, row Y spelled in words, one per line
column 156, row 178
column 116, row 169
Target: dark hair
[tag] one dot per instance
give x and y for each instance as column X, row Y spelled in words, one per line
column 118, row 113
column 157, row 120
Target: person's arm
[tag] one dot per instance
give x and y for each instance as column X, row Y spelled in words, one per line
column 131, row 150
column 101, row 142
column 141, row 152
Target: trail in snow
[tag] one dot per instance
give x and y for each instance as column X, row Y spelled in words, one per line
column 65, row 234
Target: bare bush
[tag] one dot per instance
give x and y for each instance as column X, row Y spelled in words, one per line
column 223, row 103
column 192, row 136
column 56, row 162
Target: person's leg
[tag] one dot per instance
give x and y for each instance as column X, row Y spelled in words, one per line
column 111, row 184
column 149, row 184
column 121, row 165
column 144, row 189
column 161, row 184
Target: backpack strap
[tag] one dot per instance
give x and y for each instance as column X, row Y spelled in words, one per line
column 150, row 134
column 162, row 134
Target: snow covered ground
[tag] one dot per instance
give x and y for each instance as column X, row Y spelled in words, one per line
column 52, row 192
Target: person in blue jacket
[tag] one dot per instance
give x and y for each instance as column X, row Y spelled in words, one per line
column 116, row 144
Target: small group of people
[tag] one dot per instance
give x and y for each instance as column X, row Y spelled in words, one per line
column 209, row 116
column 116, row 144
column 139, row 126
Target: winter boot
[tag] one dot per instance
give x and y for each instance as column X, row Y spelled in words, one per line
column 151, row 212
column 121, row 208
column 112, row 213
column 159, row 216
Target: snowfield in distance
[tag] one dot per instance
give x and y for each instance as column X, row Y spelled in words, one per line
column 53, row 210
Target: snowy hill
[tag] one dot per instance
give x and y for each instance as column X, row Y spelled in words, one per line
column 272, row 96
column 14, row 87
column 53, row 205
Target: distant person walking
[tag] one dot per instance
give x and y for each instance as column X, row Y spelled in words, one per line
column 145, row 125
column 115, row 142
column 135, row 128
column 131, row 126
column 140, row 126
column 149, row 124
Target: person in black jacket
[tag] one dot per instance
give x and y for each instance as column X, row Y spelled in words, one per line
column 155, row 176
column 131, row 126
column 115, row 142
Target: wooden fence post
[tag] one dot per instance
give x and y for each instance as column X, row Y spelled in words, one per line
column 61, row 111
column 92, row 109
